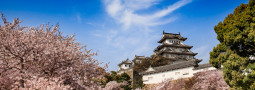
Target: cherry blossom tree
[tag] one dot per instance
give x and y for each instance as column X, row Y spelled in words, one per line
column 43, row 54
column 114, row 85
column 170, row 84
column 210, row 80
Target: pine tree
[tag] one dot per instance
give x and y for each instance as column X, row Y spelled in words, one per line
column 237, row 43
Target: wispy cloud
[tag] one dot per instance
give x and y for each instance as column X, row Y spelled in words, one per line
column 123, row 11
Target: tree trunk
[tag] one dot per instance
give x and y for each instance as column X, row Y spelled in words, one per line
column 22, row 82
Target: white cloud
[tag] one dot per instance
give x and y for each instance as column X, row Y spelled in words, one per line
column 140, row 4
column 123, row 11
column 113, row 7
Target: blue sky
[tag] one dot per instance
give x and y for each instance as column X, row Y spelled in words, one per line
column 121, row 29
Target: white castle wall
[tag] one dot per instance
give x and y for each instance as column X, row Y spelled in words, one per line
column 124, row 66
column 174, row 74
column 171, row 41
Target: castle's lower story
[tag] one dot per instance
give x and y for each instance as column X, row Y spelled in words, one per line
column 173, row 72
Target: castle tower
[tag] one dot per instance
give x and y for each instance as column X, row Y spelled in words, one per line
column 138, row 59
column 124, row 65
column 173, row 47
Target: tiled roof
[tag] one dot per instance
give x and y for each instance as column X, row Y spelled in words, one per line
column 139, row 57
column 184, row 59
column 170, row 67
column 172, row 45
column 179, row 53
column 201, row 66
column 171, row 36
column 125, row 62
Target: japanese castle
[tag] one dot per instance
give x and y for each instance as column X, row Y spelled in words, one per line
column 182, row 64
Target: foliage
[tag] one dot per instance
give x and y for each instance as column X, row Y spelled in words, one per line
column 139, row 67
column 237, row 42
column 154, row 61
column 158, row 60
column 137, row 81
column 217, row 56
column 31, row 57
column 113, row 76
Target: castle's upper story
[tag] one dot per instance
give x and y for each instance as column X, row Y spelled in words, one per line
column 125, row 64
column 173, row 47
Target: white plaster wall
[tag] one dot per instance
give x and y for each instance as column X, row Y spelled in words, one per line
column 160, row 77
column 124, row 67
column 168, row 41
column 120, row 72
column 182, row 42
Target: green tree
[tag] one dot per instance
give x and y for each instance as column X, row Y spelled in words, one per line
column 139, row 67
column 159, row 60
column 237, row 43
column 154, row 61
column 113, row 76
